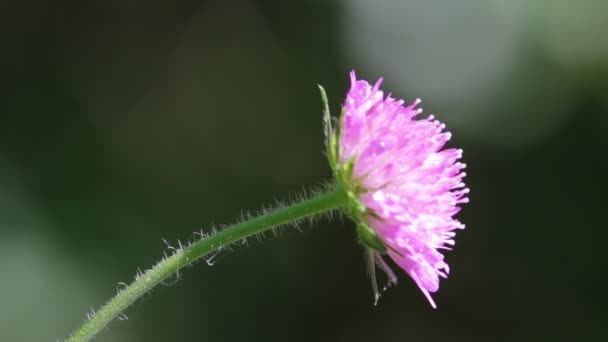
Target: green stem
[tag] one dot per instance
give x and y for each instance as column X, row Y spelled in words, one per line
column 184, row 257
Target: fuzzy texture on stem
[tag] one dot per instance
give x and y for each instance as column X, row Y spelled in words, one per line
column 325, row 202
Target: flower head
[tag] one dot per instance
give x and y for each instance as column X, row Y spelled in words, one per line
column 405, row 188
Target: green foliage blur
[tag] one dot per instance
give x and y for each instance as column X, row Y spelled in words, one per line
column 124, row 123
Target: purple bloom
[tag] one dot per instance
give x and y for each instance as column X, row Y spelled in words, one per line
column 405, row 187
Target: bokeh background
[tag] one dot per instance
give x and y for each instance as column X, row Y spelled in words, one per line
column 123, row 123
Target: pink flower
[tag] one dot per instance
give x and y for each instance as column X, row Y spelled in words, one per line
column 406, row 188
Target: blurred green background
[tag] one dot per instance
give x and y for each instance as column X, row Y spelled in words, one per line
column 126, row 122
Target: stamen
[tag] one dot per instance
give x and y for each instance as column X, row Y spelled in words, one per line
column 392, row 278
column 371, row 263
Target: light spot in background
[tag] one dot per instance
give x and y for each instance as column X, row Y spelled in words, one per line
column 467, row 60
column 574, row 32
column 39, row 287
column 525, row 109
column 40, row 283
column 442, row 49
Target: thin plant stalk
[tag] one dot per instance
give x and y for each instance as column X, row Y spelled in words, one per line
column 328, row 201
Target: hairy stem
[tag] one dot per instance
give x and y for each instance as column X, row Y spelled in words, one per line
column 169, row 266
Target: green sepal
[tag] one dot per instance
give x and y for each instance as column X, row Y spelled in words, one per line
column 369, row 238
column 345, row 173
column 331, row 136
column 332, row 150
column 357, row 209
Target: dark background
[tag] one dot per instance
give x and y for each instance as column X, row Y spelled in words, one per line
column 125, row 122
